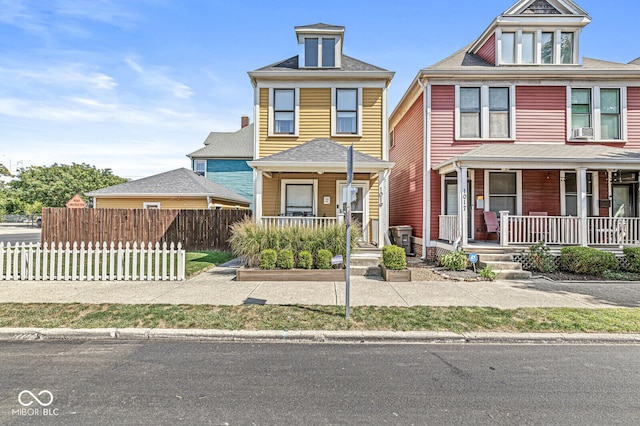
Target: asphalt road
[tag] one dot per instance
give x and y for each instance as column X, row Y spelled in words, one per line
column 171, row 382
column 18, row 233
column 618, row 294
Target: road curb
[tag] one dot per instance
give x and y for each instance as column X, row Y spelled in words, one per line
column 309, row 336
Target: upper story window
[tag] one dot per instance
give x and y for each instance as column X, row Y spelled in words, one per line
column 508, row 48
column 484, row 113
column 547, row 46
column 537, row 47
column 284, row 111
column 200, row 167
column 347, row 111
column 320, row 52
column 597, row 113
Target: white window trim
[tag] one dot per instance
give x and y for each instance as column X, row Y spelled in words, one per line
column 484, row 112
column 596, row 113
column 296, row 115
column 151, row 204
column 365, row 203
column 195, row 166
column 487, row 194
column 557, row 48
column 594, row 187
column 334, row 113
column 321, row 37
column 283, row 192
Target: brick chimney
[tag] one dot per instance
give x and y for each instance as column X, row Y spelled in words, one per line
column 244, row 121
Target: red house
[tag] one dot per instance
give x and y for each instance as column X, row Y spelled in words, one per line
column 519, row 124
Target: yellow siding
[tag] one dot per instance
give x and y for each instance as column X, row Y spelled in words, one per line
column 315, row 122
column 165, row 203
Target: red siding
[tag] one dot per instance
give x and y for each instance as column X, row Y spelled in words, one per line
column 406, row 180
column 541, row 114
column 488, row 50
column 633, row 117
column 541, row 192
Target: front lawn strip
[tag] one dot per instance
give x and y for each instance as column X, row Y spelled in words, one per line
column 300, row 317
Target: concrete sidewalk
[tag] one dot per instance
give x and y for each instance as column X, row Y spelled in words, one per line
column 218, row 287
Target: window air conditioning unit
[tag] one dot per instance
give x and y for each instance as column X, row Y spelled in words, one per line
column 583, row 133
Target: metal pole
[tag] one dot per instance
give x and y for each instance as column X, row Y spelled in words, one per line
column 348, row 224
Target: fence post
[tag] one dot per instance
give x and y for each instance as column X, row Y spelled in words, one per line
column 181, row 262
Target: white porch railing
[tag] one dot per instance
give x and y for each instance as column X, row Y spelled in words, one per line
column 307, row 222
column 560, row 230
column 92, row 263
column 616, row 231
column 449, row 228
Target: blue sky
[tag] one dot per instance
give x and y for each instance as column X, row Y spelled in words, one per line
column 135, row 85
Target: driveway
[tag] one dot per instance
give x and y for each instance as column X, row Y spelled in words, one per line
column 19, row 233
column 615, row 293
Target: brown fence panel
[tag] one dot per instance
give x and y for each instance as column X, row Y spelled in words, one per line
column 194, row 229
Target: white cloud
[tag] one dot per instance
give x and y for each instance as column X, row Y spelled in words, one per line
column 68, row 75
column 158, row 78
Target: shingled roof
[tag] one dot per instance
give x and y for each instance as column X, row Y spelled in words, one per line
column 179, row 182
column 348, row 64
column 227, row 145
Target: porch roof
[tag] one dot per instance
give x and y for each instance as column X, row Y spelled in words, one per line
column 319, row 155
column 544, row 156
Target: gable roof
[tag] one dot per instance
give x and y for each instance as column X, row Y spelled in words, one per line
column 545, row 7
column 320, row 26
column 348, row 64
column 319, row 155
column 179, row 182
column 227, row 145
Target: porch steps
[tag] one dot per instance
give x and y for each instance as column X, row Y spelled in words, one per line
column 365, row 261
column 504, row 266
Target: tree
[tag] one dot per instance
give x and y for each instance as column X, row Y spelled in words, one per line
column 40, row 186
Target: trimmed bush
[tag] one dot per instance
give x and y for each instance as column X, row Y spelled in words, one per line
column 633, row 256
column 540, row 258
column 394, row 257
column 268, row 259
column 587, row 260
column 323, row 259
column 305, row 260
column 285, row 259
column 454, row 261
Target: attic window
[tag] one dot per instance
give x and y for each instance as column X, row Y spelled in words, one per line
column 319, row 51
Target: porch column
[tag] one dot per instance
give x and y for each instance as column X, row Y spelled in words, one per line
column 383, row 212
column 582, row 204
column 463, row 205
column 257, row 196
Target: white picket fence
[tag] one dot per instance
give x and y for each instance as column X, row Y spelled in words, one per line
column 88, row 262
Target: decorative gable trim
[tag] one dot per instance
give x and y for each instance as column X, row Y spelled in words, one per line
column 545, row 7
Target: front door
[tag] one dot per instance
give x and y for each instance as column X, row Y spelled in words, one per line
column 358, row 200
column 451, row 202
column 624, row 200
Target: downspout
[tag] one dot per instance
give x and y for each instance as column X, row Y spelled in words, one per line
column 426, row 168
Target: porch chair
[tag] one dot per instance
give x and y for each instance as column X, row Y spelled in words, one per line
column 491, row 224
column 539, row 226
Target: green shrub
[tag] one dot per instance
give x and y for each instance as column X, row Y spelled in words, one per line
column 587, row 260
column 487, row 273
column 633, row 256
column 285, row 259
column 454, row 261
column 323, row 259
column 540, row 258
column 305, row 260
column 268, row 259
column 393, row 257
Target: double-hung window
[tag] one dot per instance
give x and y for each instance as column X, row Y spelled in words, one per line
column 610, row 113
column 547, row 41
column 320, row 52
column 470, row 123
column 528, row 48
column 503, row 192
column 580, row 108
column 508, row 48
column 284, row 111
column 347, row 111
column 566, row 48
column 498, row 112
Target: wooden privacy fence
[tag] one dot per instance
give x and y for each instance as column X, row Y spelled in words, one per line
column 92, row 263
column 193, row 229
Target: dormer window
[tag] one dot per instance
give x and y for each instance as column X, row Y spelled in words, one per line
column 319, row 50
column 547, row 47
column 521, row 47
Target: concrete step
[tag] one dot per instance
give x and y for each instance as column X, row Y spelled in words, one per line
column 495, row 258
column 365, row 259
column 518, row 274
column 500, row 265
column 366, row 271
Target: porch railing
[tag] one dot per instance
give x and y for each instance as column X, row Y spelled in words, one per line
column 449, row 228
column 307, row 222
column 560, row 230
column 618, row 231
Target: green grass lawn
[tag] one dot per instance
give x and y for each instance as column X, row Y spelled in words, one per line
column 199, row 261
column 298, row 317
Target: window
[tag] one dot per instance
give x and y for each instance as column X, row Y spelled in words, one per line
column 508, row 48
column 547, row 42
column 310, row 52
column 566, row 48
column 391, row 140
column 470, row 112
column 200, row 167
column 610, row 113
column 484, row 113
column 347, row 111
column 580, row 108
column 528, row 48
column 498, row 112
column 299, row 200
column 284, row 111
column 569, row 181
column 503, row 190
column 320, row 51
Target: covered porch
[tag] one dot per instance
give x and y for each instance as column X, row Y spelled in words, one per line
column 578, row 194
column 307, row 186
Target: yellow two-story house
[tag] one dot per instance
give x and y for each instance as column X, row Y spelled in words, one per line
column 308, row 110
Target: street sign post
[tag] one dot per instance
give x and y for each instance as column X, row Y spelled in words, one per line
column 348, row 225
